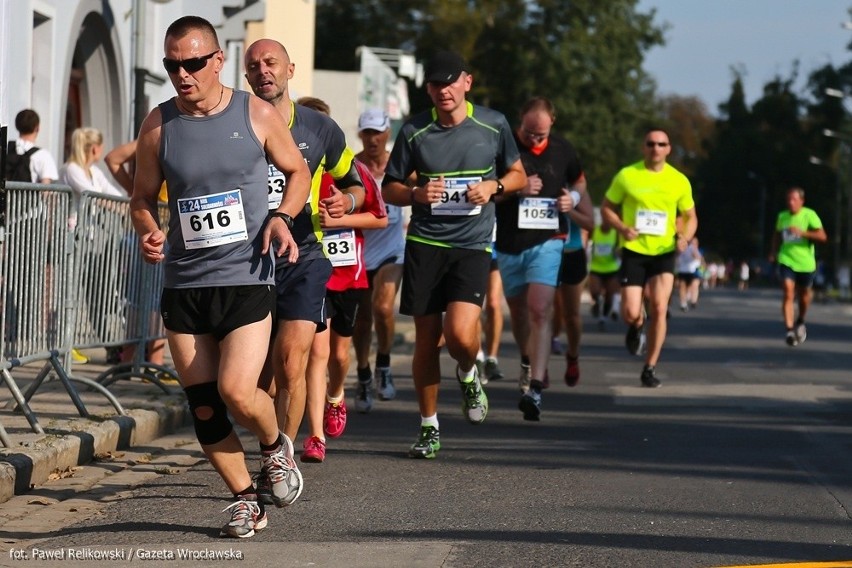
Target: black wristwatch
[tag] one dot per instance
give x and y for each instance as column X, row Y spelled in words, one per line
column 286, row 218
column 500, row 188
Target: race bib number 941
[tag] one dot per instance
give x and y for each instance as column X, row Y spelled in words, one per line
column 212, row 220
column 454, row 199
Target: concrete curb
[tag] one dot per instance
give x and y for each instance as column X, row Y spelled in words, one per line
column 75, row 442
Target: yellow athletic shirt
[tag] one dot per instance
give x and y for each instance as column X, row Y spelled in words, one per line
column 649, row 202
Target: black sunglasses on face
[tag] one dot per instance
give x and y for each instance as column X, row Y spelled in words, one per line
column 191, row 65
column 649, row 144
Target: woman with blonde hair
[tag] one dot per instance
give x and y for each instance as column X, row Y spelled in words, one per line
column 80, row 172
column 87, row 148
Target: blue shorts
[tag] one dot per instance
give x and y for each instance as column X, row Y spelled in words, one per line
column 802, row 279
column 301, row 291
column 536, row 265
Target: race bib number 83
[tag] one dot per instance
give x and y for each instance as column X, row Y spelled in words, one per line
column 339, row 247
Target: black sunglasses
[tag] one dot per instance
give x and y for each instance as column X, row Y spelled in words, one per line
column 649, row 144
column 191, row 65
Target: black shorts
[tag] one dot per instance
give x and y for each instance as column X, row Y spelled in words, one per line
column 605, row 276
column 637, row 269
column 686, row 277
column 574, row 268
column 215, row 311
column 434, row 276
column 301, row 291
column 801, row 279
column 343, row 309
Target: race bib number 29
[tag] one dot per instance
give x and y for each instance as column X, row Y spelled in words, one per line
column 649, row 222
column 212, row 220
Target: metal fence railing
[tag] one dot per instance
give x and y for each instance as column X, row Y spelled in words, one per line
column 64, row 285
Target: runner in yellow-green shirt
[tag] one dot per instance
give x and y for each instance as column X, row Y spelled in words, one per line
column 642, row 204
column 796, row 231
column 604, row 265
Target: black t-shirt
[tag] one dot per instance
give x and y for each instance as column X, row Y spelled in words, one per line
column 558, row 166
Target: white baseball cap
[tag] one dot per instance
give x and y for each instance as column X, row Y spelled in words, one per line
column 373, row 119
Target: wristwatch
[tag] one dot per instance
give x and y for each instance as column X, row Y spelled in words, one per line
column 283, row 216
column 500, row 188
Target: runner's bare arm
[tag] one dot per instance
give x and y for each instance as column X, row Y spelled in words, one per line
column 146, row 187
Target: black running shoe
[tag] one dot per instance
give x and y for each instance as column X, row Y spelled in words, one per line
column 791, row 339
column 649, row 378
column 530, row 405
column 801, row 332
column 635, row 340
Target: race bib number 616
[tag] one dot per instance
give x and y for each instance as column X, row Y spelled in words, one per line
column 212, row 220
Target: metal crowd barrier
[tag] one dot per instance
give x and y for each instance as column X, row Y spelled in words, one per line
column 64, row 287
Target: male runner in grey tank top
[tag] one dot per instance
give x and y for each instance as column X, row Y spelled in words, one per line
column 210, row 145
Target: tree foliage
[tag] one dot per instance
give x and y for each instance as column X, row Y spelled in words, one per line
column 758, row 152
column 585, row 55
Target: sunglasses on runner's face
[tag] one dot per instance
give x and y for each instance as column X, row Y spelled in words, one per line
column 191, row 65
column 649, row 143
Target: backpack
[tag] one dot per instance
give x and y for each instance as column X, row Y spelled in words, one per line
column 18, row 165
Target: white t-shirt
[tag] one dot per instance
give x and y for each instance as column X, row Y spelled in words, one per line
column 42, row 164
column 689, row 261
column 73, row 175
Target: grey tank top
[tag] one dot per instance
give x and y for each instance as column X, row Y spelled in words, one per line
column 215, row 170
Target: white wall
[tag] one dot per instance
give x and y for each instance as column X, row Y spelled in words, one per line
column 340, row 90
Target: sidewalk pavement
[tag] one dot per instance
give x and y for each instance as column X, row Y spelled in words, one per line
column 70, row 441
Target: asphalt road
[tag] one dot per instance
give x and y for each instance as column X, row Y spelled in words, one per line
column 741, row 458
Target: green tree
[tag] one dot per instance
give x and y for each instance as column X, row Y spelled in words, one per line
column 758, row 153
column 691, row 128
column 585, row 55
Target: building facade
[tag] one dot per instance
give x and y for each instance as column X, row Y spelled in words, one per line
column 99, row 62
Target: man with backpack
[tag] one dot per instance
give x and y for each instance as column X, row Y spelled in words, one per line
column 25, row 161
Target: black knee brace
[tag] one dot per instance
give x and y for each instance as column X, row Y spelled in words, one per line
column 218, row 426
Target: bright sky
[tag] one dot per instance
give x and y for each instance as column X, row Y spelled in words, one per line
column 706, row 38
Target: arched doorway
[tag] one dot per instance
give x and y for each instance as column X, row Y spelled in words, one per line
column 95, row 86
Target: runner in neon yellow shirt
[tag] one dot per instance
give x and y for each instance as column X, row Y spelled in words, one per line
column 642, row 204
column 604, row 265
column 796, row 231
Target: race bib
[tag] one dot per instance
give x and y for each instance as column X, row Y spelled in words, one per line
column 212, row 220
column 602, row 249
column 339, row 247
column 649, row 222
column 538, row 213
column 277, row 183
column 789, row 236
column 454, row 199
